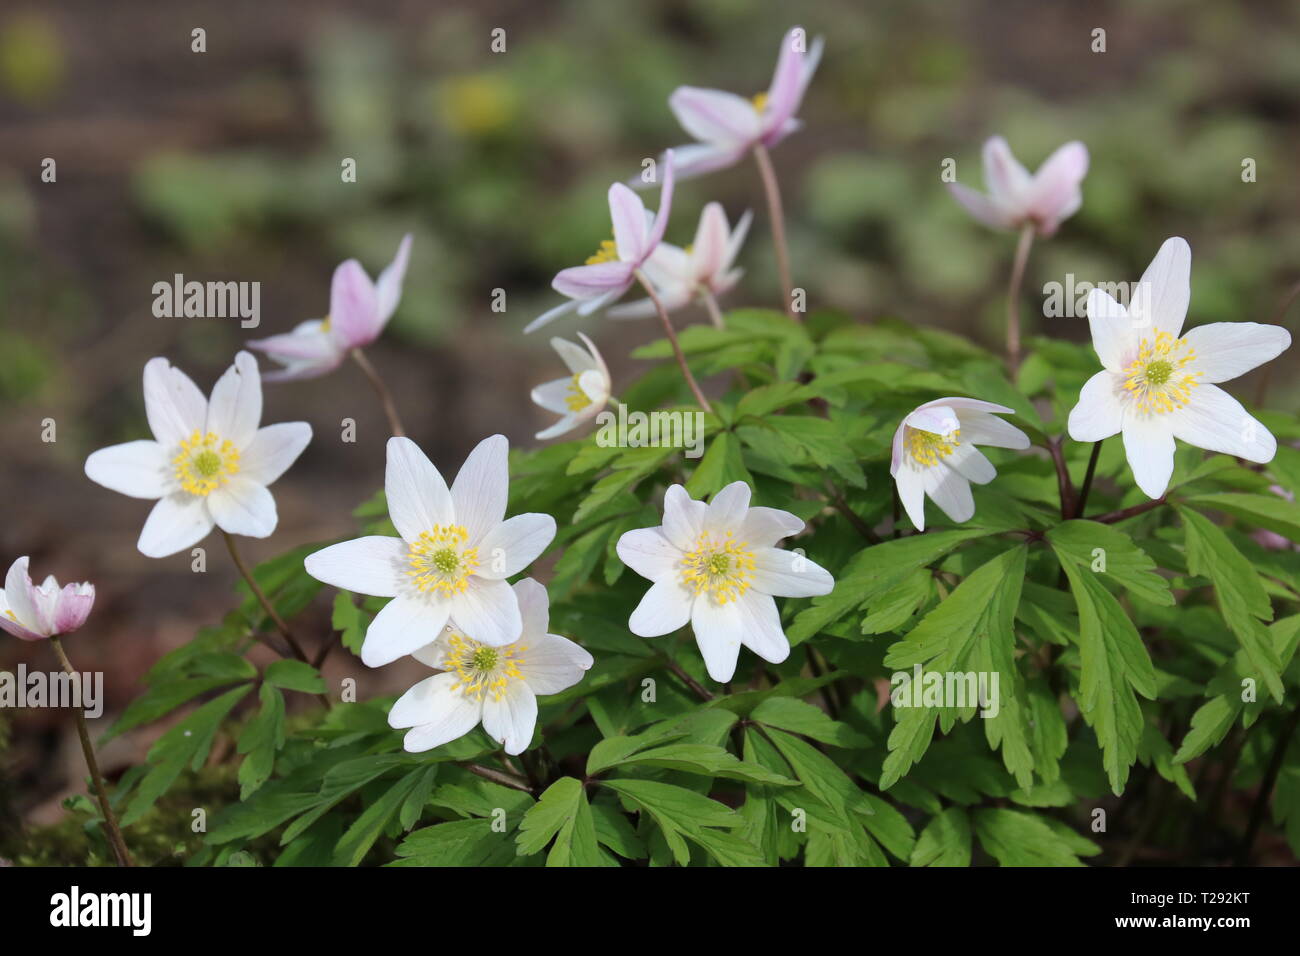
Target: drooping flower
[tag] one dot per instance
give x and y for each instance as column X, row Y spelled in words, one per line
column 1015, row 198
column 209, row 462
column 717, row 568
column 579, row 397
column 934, row 454
column 455, row 551
column 611, row 271
column 680, row 275
column 32, row 613
column 497, row 686
column 1158, row 384
column 727, row 126
column 359, row 310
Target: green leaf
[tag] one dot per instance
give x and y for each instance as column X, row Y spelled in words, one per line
column 260, row 741
column 350, row 621
column 368, row 827
column 945, row 841
column 1109, row 551
column 561, row 812
column 1267, row 511
column 800, row 717
column 295, row 675
column 1015, row 838
column 682, row 813
column 704, row 759
column 721, row 465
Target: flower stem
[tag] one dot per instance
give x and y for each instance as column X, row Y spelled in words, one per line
column 777, row 215
column 1013, row 300
column 499, row 776
column 1087, row 479
column 701, row 691
column 1113, row 516
column 385, row 397
column 711, row 305
column 1062, row 478
column 672, row 340
column 115, row 838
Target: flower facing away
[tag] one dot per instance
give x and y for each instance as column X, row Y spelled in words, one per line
column 1158, row 384
column 32, row 613
column 359, row 310
column 934, row 454
column 611, row 270
column 727, row 126
column 704, row 267
column 1014, row 198
column 497, row 686
column 209, row 462
column 579, row 397
column 455, row 551
column 717, row 567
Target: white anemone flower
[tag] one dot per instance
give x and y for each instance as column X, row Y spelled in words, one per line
column 495, row 686
column 582, row 395
column 209, row 462
column 455, row 551
column 717, row 568
column 34, row 612
column 1158, row 385
column 934, row 454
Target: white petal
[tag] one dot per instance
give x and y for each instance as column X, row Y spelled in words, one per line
column 663, row 609
column 138, row 469
column 981, row 207
column 764, row 527
column 911, row 492
column 172, row 402
column 1215, row 421
column 242, row 506
column 175, row 523
column 482, row 486
column 575, row 357
column 404, row 624
column 1225, row 350
column 374, row 565
column 1161, row 298
column 1006, row 180
column 648, row 552
column 565, row 425
column 511, row 719
column 554, row 395
column 553, row 663
column 683, row 517
column 272, row 450
column 715, row 116
column 236, row 407
column 422, row 702
column 18, row 595
column 969, row 462
column 1149, row 444
column 789, row 574
column 487, row 611
column 1114, row 331
column 534, row 609
column 934, row 418
column 514, row 544
column 417, row 496
column 761, row 629
column 727, row 509
column 1099, row 412
column 982, row 428
column 719, row 632
column 446, row 714
column 951, row 492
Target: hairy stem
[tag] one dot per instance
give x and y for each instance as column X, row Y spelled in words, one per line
column 115, row 838
column 1013, row 300
column 777, row 215
column 385, row 396
column 672, row 340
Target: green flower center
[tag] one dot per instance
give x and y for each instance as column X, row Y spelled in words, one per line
column 484, row 658
column 206, row 463
column 720, row 563
column 445, row 560
column 1158, row 372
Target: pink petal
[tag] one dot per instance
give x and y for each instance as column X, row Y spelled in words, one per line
column 586, row 282
column 714, row 116
column 75, row 602
column 354, row 305
column 787, row 84
column 628, row 214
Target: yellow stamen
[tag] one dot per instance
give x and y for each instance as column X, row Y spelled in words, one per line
column 439, row 560
column 325, row 324
column 760, row 102
column 719, row 566
column 481, row 670
column 1156, row 378
column 608, row 252
column 576, row 399
column 926, row 448
column 205, row 462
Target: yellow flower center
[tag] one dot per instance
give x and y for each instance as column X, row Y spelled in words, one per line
column 760, row 102
column 926, row 448
column 325, row 324
column 481, row 670
column 439, row 561
column 721, row 567
column 607, row 252
column 576, row 399
column 205, row 462
column 1156, row 378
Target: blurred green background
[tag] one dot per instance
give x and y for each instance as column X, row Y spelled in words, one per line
column 226, row 165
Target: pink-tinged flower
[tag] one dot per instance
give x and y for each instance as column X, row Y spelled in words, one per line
column 704, row 267
column 32, row 613
column 456, row 549
column 934, row 454
column 359, row 310
column 1156, row 386
column 727, row 126
column 1015, row 198
column 495, row 686
column 209, row 462
column 717, row 568
column 579, row 397
column 612, row 269
column 1271, row 539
